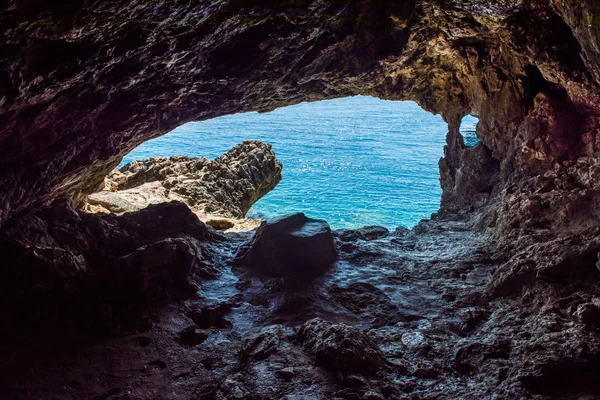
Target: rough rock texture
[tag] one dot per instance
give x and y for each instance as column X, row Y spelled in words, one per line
column 85, row 82
column 99, row 268
column 251, row 336
column 340, row 347
column 290, row 246
column 225, row 187
column 512, row 314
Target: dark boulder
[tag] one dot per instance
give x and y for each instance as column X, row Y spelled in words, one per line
column 365, row 233
column 340, row 347
column 292, row 245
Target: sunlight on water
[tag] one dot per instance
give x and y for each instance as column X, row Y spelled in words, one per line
column 353, row 161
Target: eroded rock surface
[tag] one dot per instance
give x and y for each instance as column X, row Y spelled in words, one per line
column 224, row 187
column 396, row 317
column 512, row 314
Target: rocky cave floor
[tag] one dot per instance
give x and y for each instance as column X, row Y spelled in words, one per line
column 403, row 315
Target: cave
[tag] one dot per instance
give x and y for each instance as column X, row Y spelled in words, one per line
column 352, row 161
column 494, row 296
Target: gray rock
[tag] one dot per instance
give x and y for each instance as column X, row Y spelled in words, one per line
column 292, row 245
column 340, row 347
column 261, row 345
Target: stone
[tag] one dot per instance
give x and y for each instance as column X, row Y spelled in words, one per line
column 364, row 233
column 292, row 245
column 588, row 313
column 262, row 344
column 213, row 316
column 191, row 336
column 340, row 347
column 158, row 269
column 220, row 224
column 287, row 373
column 226, row 186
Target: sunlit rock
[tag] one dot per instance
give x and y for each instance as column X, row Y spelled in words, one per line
column 225, row 187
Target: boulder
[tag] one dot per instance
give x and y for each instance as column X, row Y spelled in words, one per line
column 226, row 186
column 292, row 245
column 340, row 347
column 262, row 344
column 365, row 233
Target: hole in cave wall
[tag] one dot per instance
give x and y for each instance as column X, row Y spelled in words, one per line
column 352, row 161
column 468, row 130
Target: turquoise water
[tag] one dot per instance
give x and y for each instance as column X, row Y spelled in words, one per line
column 354, row 161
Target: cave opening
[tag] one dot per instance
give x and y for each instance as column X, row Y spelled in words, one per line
column 352, row 161
column 468, row 130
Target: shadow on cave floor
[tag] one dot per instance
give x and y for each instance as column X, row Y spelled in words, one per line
column 407, row 290
column 409, row 303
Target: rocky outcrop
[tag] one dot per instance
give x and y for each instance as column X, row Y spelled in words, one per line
column 340, row 347
column 289, row 246
column 99, row 266
column 225, row 187
column 123, row 73
column 82, row 83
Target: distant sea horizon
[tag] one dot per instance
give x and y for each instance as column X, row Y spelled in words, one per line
column 352, row 161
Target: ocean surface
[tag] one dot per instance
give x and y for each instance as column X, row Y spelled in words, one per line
column 353, row 161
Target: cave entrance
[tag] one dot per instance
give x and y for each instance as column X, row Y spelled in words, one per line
column 352, row 161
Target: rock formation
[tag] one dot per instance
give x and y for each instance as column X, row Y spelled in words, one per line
column 224, row 187
column 511, row 313
column 290, row 246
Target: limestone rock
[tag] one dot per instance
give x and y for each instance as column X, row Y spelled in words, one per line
column 292, row 245
column 364, row 233
column 340, row 347
column 226, row 186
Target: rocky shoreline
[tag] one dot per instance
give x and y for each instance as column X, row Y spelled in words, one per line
column 220, row 191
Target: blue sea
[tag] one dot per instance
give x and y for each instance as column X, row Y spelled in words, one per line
column 352, row 161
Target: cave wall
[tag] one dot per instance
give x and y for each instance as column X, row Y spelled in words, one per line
column 84, row 82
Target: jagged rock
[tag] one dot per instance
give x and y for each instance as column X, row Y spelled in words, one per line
column 262, row 344
column 102, row 265
column 158, row 269
column 559, row 260
column 191, row 336
column 366, row 300
column 210, row 316
column 220, row 224
column 364, row 233
column 292, row 245
column 589, row 313
column 226, row 186
column 340, row 347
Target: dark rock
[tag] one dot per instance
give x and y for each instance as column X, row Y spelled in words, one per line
column 588, row 313
column 292, row 245
column 262, row 344
column 210, row 316
column 226, row 186
column 354, row 381
column 286, row 373
column 158, row 269
column 191, row 336
column 400, row 231
column 364, row 233
column 340, row 347
column 368, row 301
